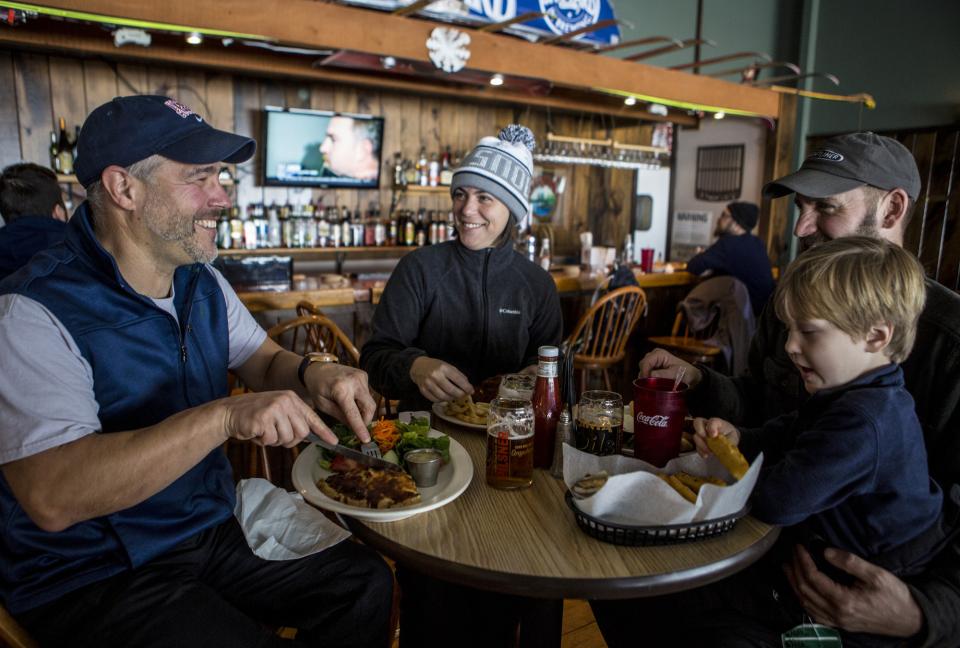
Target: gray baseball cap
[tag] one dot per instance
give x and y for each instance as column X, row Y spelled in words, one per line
column 849, row 161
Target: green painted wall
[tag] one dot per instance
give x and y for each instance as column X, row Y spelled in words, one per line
column 906, row 53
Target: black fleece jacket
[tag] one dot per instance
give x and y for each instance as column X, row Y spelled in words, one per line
column 485, row 312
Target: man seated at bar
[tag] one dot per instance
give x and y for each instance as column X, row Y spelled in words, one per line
column 31, row 205
column 450, row 316
column 866, row 184
column 738, row 253
column 117, row 497
column 847, row 469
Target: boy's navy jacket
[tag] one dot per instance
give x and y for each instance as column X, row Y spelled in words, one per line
column 850, row 466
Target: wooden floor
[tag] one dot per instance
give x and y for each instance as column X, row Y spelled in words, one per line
column 579, row 628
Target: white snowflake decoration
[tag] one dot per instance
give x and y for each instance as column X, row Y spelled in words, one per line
column 448, row 48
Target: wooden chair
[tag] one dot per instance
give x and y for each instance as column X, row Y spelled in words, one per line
column 686, row 345
column 599, row 339
column 312, row 333
column 12, row 633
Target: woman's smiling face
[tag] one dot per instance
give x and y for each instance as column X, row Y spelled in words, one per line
column 480, row 217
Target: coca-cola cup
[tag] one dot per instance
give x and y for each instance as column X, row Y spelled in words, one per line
column 658, row 413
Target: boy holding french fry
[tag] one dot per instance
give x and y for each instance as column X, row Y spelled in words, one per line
column 849, row 468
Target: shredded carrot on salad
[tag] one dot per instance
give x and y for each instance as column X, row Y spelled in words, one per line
column 386, row 434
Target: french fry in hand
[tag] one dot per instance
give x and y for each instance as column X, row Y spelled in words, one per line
column 729, row 455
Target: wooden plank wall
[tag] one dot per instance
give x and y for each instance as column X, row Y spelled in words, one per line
column 46, row 87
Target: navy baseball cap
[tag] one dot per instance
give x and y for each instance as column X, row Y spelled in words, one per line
column 129, row 129
column 849, row 161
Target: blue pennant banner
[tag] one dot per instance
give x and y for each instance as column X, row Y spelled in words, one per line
column 560, row 16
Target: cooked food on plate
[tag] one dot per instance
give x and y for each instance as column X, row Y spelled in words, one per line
column 357, row 485
column 466, row 410
column 679, row 486
column 694, row 482
column 371, row 488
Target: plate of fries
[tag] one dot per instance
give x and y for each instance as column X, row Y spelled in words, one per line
column 464, row 412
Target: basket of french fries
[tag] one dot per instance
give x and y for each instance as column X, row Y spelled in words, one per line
column 627, row 501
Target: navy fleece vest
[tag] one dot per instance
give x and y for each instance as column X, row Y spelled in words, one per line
column 146, row 368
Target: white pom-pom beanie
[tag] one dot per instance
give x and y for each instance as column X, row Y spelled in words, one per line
column 503, row 167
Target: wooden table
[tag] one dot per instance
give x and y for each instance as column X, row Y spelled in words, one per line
column 526, row 542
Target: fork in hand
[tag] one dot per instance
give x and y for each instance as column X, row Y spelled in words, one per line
column 371, row 449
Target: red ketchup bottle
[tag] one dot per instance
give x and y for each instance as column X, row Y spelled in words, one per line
column 546, row 406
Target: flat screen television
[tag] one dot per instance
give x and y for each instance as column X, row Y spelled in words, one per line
column 312, row 148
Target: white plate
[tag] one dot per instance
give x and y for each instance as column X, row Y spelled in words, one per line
column 440, row 409
column 453, row 480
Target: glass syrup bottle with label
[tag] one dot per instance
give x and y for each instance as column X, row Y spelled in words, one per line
column 546, row 406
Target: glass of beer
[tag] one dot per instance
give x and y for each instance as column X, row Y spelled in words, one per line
column 659, row 411
column 599, row 427
column 510, row 443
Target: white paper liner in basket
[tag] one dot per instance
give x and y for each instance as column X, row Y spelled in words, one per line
column 635, row 496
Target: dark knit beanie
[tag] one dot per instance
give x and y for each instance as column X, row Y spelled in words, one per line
column 745, row 214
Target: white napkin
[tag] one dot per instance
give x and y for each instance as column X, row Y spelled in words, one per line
column 634, row 495
column 280, row 525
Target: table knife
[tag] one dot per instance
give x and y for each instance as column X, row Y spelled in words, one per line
column 355, row 455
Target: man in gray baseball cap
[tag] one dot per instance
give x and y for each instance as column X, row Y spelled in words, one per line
column 860, row 183
column 866, row 184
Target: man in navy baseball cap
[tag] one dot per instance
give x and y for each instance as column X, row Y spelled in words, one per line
column 126, row 333
column 129, row 129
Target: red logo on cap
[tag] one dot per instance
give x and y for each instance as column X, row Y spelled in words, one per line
column 178, row 108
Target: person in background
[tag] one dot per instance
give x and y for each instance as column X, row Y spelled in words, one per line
column 352, row 148
column 738, row 253
column 32, row 208
column 848, row 469
column 117, row 497
column 863, row 184
column 451, row 315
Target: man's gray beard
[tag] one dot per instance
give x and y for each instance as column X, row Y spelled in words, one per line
column 180, row 229
column 867, row 227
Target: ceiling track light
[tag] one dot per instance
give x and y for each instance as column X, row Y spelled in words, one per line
column 496, row 80
column 719, row 115
column 630, row 101
column 194, row 38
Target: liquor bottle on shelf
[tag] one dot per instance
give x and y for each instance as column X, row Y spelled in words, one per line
column 409, row 230
column 393, row 229
column 76, row 140
column 399, row 177
column 359, row 230
column 433, row 230
column 310, row 227
column 336, row 232
column 346, row 230
column 54, row 153
column 423, row 166
column 262, row 227
column 546, row 406
column 323, row 229
column 250, row 229
column 223, row 230
column 370, row 229
column 410, row 173
column 286, row 227
column 420, row 229
column 274, row 237
column 446, row 168
column 236, row 228
column 434, row 170
column 65, row 149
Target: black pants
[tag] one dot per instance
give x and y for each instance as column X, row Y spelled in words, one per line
column 748, row 610
column 212, row 591
column 438, row 614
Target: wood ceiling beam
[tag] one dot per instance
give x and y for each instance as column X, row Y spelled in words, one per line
column 260, row 62
column 315, row 24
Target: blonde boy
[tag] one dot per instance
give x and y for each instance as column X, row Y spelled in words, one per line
column 848, row 468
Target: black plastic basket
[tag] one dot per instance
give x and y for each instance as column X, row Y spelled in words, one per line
column 621, row 534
